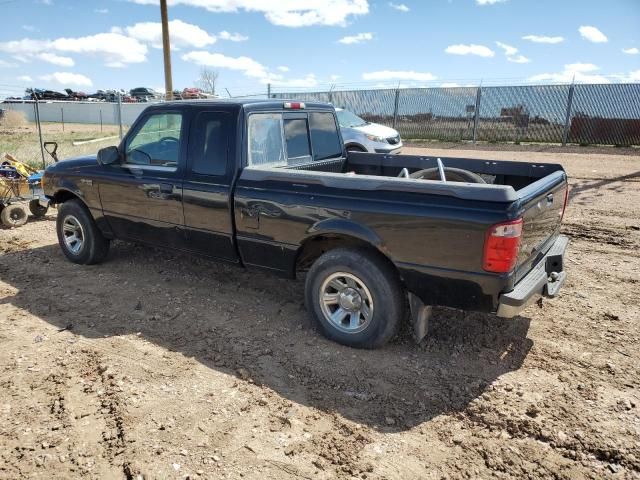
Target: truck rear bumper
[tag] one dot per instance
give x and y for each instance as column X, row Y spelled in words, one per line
column 545, row 279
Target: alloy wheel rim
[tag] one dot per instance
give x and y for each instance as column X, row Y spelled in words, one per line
column 73, row 234
column 346, row 302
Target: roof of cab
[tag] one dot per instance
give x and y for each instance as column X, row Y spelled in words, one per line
column 246, row 103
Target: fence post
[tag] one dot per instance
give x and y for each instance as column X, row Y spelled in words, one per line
column 62, row 117
column 567, row 117
column 101, row 120
column 119, row 114
column 37, row 108
column 395, row 108
column 268, row 90
column 476, row 115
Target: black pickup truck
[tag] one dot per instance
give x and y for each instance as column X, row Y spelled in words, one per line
column 268, row 184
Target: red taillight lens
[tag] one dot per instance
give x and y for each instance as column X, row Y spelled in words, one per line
column 501, row 246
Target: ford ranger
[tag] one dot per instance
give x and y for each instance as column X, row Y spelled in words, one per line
column 269, row 185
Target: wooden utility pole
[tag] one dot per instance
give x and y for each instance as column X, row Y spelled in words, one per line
column 166, row 48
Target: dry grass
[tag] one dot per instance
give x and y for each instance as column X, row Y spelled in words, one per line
column 13, row 119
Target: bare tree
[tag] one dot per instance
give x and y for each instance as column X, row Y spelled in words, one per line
column 207, row 80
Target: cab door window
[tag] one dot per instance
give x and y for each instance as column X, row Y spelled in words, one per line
column 157, row 142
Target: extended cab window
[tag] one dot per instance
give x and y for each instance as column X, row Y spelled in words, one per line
column 208, row 143
column 157, row 142
column 265, row 140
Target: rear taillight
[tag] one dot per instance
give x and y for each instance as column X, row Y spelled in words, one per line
column 501, row 246
column 566, row 201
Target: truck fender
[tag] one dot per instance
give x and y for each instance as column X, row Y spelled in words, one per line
column 340, row 226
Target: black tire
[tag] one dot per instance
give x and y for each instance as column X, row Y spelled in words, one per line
column 451, row 174
column 36, row 209
column 93, row 247
column 14, row 215
column 380, row 282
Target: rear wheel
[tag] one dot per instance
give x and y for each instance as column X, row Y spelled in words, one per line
column 36, row 209
column 14, row 215
column 79, row 237
column 355, row 297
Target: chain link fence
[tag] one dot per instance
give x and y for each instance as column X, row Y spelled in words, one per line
column 585, row 114
column 78, row 128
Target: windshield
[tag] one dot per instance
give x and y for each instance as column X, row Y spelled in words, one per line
column 348, row 119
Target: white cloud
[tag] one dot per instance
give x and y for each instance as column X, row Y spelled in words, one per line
column 633, row 76
column 512, row 53
column 24, row 78
column 592, row 34
column 55, row 59
column 359, row 38
column 631, row 51
column 5, row 64
column 67, row 78
column 116, row 49
column 102, row 11
column 287, row 13
column 489, row 2
column 282, row 68
column 543, row 39
column 508, row 49
column 234, row 37
column 182, row 34
column 580, row 72
column 250, row 68
column 401, row 7
column 29, row 28
column 519, row 59
column 472, row 49
column 246, row 65
column 383, row 75
column 449, row 85
column 333, row 78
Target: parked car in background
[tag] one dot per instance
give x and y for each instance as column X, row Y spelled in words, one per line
column 362, row 136
column 144, row 94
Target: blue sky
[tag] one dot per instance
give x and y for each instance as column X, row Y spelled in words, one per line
column 311, row 44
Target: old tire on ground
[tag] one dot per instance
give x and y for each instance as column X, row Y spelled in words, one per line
column 36, row 209
column 79, row 237
column 451, row 174
column 14, row 215
column 355, row 297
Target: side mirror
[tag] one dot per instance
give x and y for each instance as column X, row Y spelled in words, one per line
column 108, row 155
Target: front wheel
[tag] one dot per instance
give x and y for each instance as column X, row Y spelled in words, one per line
column 355, row 297
column 78, row 235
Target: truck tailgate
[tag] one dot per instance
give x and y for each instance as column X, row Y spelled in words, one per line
column 542, row 205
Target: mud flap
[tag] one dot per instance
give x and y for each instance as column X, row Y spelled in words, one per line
column 420, row 315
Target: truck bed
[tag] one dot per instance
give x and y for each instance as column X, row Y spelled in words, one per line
column 429, row 229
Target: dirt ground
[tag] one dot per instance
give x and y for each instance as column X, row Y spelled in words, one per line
column 158, row 365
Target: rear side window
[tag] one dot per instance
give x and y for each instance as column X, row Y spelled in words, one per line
column 324, row 136
column 296, row 134
column 208, row 144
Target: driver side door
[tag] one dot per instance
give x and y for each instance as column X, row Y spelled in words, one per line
column 142, row 196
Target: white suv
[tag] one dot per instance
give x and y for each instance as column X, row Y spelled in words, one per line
column 362, row 136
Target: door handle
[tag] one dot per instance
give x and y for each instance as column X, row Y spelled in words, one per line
column 550, row 198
